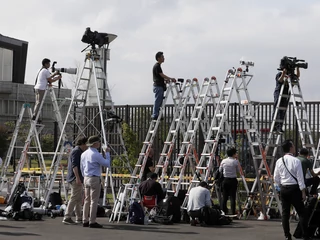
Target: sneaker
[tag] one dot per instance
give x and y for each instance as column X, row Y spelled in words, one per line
column 68, row 221
column 85, row 224
column 95, row 225
column 79, row 221
column 193, row 222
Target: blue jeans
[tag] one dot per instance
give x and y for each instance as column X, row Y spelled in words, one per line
column 158, row 94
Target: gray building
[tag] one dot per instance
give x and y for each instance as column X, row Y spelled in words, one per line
column 14, row 93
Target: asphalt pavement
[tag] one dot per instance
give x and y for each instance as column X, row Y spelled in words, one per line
column 54, row 229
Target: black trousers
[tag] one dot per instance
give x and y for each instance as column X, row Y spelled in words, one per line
column 196, row 214
column 229, row 189
column 291, row 195
column 314, row 182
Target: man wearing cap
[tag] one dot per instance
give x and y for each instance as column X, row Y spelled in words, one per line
column 44, row 78
column 75, row 179
column 91, row 162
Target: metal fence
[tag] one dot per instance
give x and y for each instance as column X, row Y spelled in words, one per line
column 138, row 118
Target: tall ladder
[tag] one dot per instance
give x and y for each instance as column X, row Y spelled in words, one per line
column 85, row 120
column 274, row 138
column 178, row 125
column 206, row 95
column 129, row 193
column 34, row 132
column 219, row 131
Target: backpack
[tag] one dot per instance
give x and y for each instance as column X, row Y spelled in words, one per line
column 218, row 177
column 171, row 207
column 210, row 215
column 136, row 213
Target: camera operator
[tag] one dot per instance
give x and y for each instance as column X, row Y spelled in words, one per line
column 44, row 78
column 281, row 78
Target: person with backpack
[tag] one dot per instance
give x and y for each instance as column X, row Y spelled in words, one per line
column 199, row 198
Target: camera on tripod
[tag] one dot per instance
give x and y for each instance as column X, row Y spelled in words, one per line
column 63, row 70
column 96, row 38
column 290, row 63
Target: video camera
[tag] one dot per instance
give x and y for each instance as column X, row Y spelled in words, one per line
column 63, row 70
column 290, row 63
column 94, row 38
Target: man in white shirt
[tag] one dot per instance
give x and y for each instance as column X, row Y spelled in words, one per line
column 199, row 197
column 289, row 176
column 230, row 168
column 43, row 79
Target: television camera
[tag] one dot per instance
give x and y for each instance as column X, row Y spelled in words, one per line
column 96, row 38
column 290, row 63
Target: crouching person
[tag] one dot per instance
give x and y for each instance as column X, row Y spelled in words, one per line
column 199, row 198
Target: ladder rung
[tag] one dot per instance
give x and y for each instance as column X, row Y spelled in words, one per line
column 159, row 166
column 177, row 166
column 219, row 115
column 297, row 95
column 203, row 168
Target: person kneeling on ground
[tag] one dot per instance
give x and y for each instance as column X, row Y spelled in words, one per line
column 199, row 198
column 151, row 187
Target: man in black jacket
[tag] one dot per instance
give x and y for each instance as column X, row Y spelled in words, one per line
column 151, row 187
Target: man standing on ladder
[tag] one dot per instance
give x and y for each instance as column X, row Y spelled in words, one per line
column 75, row 179
column 289, row 176
column 280, row 79
column 159, row 84
column 43, row 78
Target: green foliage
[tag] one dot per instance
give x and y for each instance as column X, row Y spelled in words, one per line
column 4, row 140
column 47, row 143
column 133, row 147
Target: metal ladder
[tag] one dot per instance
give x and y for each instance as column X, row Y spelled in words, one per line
column 179, row 123
column 34, row 132
column 206, row 95
column 219, row 131
column 85, row 120
column 274, row 138
column 174, row 89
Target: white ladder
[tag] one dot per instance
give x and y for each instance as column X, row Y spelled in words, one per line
column 187, row 151
column 86, row 121
column 34, row 132
column 179, row 123
column 175, row 91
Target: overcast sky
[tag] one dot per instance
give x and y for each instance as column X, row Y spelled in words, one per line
column 199, row 38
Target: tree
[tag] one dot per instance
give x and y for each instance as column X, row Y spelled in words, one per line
column 4, row 140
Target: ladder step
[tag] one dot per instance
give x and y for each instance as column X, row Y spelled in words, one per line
column 202, row 168
column 210, row 141
column 159, row 166
column 219, row 115
column 297, row 95
column 223, row 102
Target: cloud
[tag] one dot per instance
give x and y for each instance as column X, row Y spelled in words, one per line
column 199, row 39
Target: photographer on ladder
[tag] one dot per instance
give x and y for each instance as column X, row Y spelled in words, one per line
column 281, row 78
column 44, row 78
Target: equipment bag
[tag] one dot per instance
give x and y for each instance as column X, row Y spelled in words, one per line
column 136, row 213
column 170, row 207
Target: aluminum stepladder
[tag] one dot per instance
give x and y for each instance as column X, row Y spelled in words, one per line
column 206, row 95
column 34, row 132
column 85, row 121
column 219, row 130
column 178, row 125
column 274, row 138
column 129, row 192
